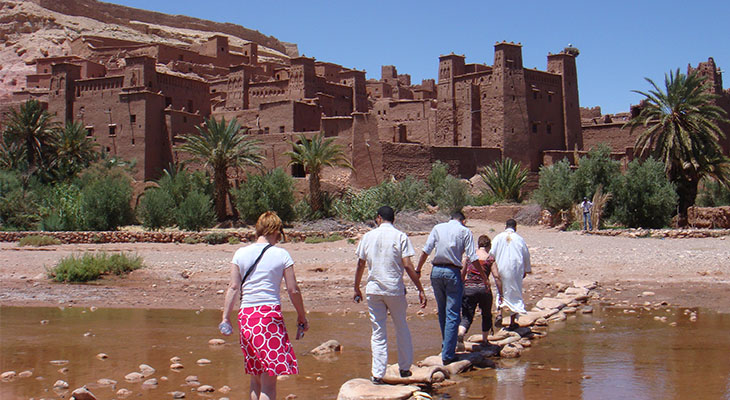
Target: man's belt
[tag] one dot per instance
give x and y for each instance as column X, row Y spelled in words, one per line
column 447, row 266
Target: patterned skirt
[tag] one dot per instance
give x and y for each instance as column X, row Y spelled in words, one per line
column 265, row 342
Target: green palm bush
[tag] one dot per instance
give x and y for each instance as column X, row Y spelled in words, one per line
column 505, row 179
column 680, row 129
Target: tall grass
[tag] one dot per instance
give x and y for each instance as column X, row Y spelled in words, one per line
column 38, row 240
column 89, row 267
column 505, row 179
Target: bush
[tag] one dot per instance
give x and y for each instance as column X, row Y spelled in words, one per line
column 360, row 206
column 234, row 240
column 62, row 208
column 156, row 209
column 318, row 239
column 272, row 191
column 596, row 169
column 91, row 266
column 713, row 194
column 192, row 240
column 555, row 188
column 303, row 210
column 18, row 205
column 436, row 180
column 505, row 179
column 216, row 238
column 38, row 240
column 644, row 197
column 195, row 212
column 453, row 195
column 105, row 201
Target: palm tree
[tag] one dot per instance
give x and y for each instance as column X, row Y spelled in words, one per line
column 315, row 154
column 505, row 179
column 31, row 127
column 221, row 146
column 74, row 150
column 681, row 129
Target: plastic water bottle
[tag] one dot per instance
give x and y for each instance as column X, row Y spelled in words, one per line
column 225, row 328
column 300, row 331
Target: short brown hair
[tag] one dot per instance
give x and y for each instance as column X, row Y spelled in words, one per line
column 484, row 241
column 268, row 223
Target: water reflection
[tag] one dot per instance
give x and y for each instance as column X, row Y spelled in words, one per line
column 622, row 356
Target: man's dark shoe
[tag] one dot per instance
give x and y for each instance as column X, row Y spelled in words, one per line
column 377, row 381
column 449, row 361
column 405, row 373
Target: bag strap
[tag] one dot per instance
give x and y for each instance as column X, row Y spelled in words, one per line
column 253, row 267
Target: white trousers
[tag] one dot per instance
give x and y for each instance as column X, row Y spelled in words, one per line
column 379, row 306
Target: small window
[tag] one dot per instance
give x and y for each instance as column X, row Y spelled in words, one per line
column 190, row 106
column 266, row 130
column 282, row 129
column 112, row 129
column 534, row 128
column 549, row 129
column 185, row 119
column 550, row 98
column 89, row 131
column 168, row 101
column 133, row 118
column 534, row 95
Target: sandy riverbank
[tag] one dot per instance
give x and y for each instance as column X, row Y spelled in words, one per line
column 685, row 272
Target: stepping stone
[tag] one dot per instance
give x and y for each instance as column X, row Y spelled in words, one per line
column 361, row 389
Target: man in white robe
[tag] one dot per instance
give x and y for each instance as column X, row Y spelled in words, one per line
column 513, row 263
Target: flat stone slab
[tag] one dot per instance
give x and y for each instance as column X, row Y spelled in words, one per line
column 579, row 283
column 363, row 389
column 550, row 302
column 421, row 375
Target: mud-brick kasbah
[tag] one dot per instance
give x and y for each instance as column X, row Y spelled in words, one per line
column 136, row 98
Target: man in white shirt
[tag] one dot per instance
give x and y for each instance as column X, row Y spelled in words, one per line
column 513, row 263
column 452, row 240
column 587, row 206
column 387, row 253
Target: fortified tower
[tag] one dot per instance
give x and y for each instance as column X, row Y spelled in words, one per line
column 450, row 66
column 504, row 106
column 564, row 64
column 62, row 94
column 140, row 73
column 303, row 79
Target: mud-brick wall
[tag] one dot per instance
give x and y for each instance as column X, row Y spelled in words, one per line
column 401, row 160
column 611, row 134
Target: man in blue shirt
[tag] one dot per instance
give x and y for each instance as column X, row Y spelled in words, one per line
column 451, row 240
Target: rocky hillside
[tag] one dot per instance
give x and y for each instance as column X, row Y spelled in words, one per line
column 38, row 28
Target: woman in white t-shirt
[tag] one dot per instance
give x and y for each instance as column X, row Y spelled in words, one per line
column 263, row 336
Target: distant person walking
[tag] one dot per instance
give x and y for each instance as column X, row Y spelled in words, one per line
column 476, row 290
column 587, row 207
column 451, row 240
column 513, row 263
column 387, row 253
column 257, row 270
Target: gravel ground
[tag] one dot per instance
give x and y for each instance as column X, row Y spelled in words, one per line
column 684, row 272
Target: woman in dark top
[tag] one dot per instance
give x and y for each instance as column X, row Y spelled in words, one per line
column 477, row 291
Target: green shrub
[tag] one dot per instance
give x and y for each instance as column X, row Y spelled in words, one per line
column 38, row 240
column 360, row 206
column 193, row 239
column 195, row 212
column 597, row 168
column 555, row 188
column 486, row 198
column 91, row 266
column 644, row 197
column 234, row 240
column 713, row 194
column 105, row 202
column 453, row 196
column 303, row 210
column 319, row 239
column 61, row 207
column 18, row 204
column 216, row 238
column 272, row 191
column 436, row 180
column 505, row 179
column 156, row 209
column 178, row 183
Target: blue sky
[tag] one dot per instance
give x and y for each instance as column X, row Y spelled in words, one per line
column 621, row 42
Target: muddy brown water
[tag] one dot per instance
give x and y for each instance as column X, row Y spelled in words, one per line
column 610, row 354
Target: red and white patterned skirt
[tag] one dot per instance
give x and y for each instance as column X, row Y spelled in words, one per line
column 265, row 342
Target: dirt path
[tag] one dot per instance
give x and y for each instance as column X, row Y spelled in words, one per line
column 686, row 272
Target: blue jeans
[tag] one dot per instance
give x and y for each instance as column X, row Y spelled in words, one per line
column 587, row 221
column 448, row 289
